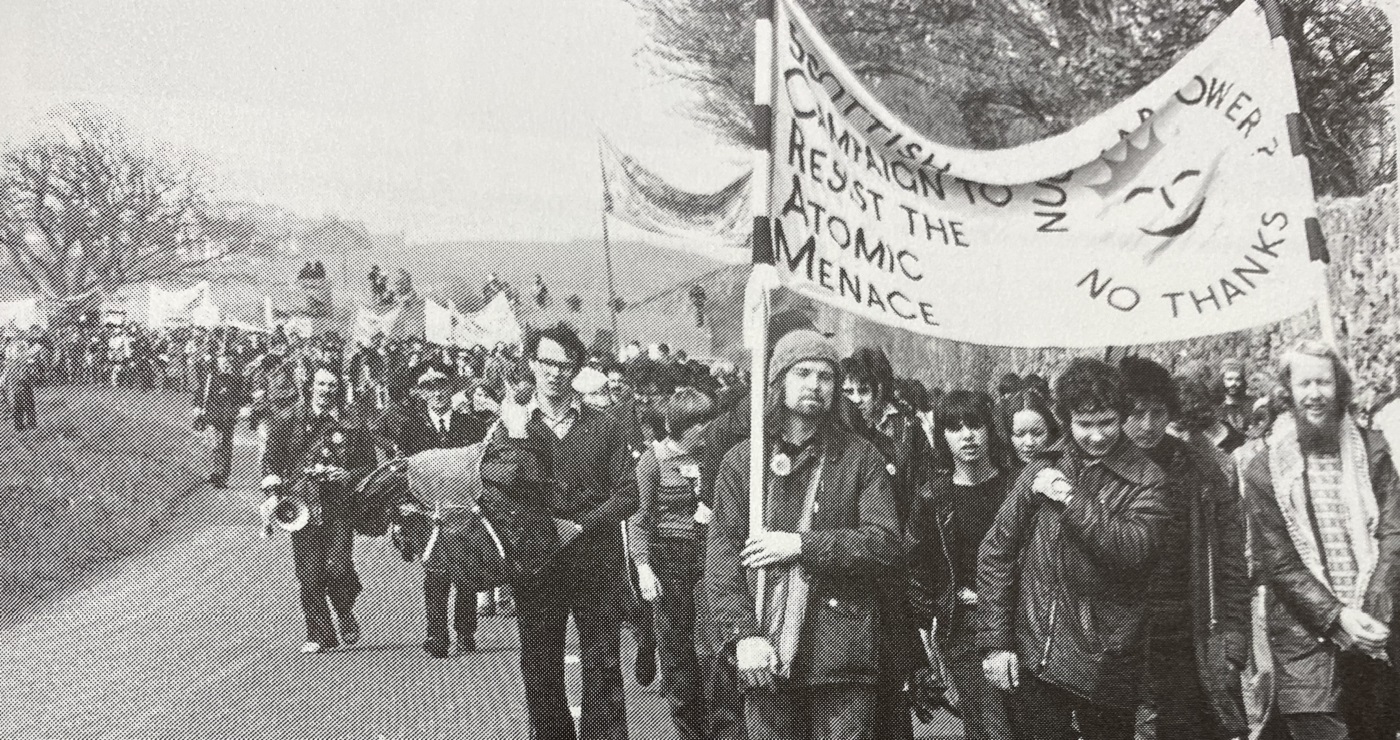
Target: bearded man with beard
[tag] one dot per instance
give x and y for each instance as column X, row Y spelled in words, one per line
column 813, row 664
column 1322, row 496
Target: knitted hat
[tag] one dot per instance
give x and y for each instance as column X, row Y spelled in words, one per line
column 1236, row 366
column 799, row 345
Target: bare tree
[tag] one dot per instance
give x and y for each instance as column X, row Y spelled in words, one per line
column 85, row 208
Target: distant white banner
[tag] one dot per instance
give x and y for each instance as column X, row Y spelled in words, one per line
column 492, row 325
column 714, row 225
column 369, row 324
column 20, row 314
column 1180, row 212
column 192, row 306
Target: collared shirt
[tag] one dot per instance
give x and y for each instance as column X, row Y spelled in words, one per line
column 561, row 424
column 441, row 422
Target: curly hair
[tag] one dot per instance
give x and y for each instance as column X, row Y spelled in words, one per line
column 871, row 365
column 1088, row 386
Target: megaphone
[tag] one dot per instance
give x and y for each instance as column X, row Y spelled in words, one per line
column 288, row 512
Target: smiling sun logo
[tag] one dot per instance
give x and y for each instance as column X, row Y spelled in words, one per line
column 1152, row 189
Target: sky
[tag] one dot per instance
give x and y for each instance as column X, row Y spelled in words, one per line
column 441, row 119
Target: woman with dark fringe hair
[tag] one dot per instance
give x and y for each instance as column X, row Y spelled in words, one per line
column 967, row 485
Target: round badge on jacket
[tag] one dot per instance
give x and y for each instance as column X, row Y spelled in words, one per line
column 781, row 465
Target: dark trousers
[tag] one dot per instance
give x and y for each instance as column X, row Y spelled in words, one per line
column 324, row 556
column 677, row 565
column 223, row 452
column 23, row 402
column 983, row 706
column 437, row 599
column 1041, row 711
column 837, row 712
column 724, row 703
column 1174, row 704
column 1368, row 707
column 892, row 711
column 542, row 609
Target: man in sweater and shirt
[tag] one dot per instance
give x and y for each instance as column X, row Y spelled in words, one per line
column 813, row 664
column 583, row 451
column 1062, row 612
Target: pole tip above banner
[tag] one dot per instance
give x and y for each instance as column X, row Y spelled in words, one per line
column 1273, row 16
column 1317, row 242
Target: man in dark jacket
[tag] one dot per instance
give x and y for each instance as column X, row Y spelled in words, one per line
column 225, row 394
column 722, row 698
column 813, row 663
column 1062, row 612
column 429, row 422
column 318, row 452
column 586, row 454
column 1324, row 502
column 1199, row 592
column 433, row 424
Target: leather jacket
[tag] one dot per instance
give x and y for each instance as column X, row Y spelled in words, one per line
column 1062, row 585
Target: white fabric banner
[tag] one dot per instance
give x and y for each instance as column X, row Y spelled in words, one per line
column 1180, row 212
column 714, row 225
column 493, row 324
column 20, row 314
column 368, row 324
column 170, row 308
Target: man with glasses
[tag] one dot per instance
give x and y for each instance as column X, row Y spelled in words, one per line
column 586, row 453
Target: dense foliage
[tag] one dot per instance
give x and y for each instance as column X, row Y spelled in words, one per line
column 994, row 73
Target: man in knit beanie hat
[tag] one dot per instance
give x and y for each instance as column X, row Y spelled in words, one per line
column 829, row 538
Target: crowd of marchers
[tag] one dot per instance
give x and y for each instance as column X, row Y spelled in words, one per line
column 1100, row 555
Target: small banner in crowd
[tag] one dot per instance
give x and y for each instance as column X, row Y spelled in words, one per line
column 714, row 225
column 1182, row 211
column 440, row 323
column 369, row 323
column 492, row 325
column 193, row 306
column 20, row 314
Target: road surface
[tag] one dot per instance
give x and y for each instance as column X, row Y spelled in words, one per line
column 199, row 638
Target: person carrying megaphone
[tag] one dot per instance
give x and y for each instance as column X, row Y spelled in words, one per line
column 316, row 453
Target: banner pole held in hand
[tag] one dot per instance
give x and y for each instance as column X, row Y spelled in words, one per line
column 763, row 278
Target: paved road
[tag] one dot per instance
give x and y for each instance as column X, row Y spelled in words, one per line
column 199, row 639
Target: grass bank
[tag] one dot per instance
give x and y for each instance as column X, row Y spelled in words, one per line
column 98, row 480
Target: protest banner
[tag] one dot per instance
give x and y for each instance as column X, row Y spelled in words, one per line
column 713, row 225
column 492, row 325
column 1183, row 211
column 440, row 323
column 20, row 314
column 368, row 323
column 171, row 308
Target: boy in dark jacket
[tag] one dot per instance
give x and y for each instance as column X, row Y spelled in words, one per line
column 1200, row 588
column 1062, row 612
